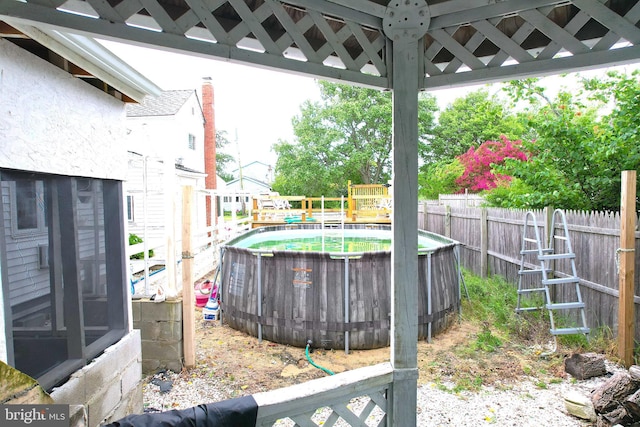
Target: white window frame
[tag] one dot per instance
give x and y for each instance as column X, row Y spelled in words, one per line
column 130, row 208
column 41, row 227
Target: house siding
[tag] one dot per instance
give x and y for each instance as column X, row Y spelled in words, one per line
column 22, row 259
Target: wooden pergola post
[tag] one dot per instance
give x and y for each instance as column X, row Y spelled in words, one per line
column 188, row 298
column 626, row 255
column 405, row 24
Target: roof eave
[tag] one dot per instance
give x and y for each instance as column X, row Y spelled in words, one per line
column 91, row 56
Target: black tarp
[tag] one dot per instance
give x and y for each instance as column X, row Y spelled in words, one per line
column 239, row 412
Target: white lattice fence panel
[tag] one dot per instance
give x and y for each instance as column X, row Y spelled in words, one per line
column 355, row 398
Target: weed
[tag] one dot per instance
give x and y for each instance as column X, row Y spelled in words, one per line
column 442, row 387
column 516, row 340
column 468, row 384
column 486, row 341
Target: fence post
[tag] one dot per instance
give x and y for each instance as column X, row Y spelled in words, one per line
column 484, row 243
column 425, row 221
column 447, row 221
column 188, row 299
column 626, row 255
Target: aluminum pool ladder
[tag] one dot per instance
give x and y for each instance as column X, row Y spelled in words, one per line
column 544, row 257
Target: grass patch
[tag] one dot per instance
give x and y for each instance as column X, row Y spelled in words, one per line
column 509, row 344
column 486, row 341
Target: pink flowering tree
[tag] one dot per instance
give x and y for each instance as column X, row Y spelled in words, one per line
column 479, row 164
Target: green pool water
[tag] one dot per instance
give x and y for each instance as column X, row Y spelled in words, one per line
column 333, row 241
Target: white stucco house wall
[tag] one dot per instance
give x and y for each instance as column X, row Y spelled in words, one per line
column 65, row 312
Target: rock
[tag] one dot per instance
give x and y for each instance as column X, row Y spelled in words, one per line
column 579, row 405
column 634, row 371
column 587, row 365
column 618, row 415
column 632, row 405
column 616, row 389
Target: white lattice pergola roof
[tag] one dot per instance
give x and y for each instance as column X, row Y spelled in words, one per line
column 403, row 45
column 464, row 42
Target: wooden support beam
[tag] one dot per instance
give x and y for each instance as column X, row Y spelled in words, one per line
column 8, row 31
column 626, row 256
column 404, row 223
column 188, row 298
column 77, row 71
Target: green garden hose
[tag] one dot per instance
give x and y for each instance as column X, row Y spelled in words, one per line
column 312, row 362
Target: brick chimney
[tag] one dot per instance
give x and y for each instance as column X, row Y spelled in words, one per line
column 209, row 141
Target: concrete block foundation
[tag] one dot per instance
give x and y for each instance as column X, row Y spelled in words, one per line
column 160, row 326
column 108, row 387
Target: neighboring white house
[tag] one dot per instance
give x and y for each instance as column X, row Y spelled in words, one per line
column 256, row 170
column 253, row 179
column 165, row 137
column 64, row 307
column 239, row 191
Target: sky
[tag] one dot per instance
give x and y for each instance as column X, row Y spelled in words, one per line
column 257, row 104
column 253, row 105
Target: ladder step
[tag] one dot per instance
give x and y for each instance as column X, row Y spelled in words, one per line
column 533, row 271
column 569, row 331
column 528, row 251
column 527, row 291
column 518, row 310
column 561, row 281
column 557, row 256
column 565, row 305
column 535, row 251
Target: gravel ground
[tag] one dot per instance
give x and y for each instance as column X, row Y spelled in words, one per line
column 520, row 404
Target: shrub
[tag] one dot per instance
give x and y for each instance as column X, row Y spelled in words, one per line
column 134, row 240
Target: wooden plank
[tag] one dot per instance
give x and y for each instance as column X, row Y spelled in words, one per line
column 484, row 244
column 626, row 314
column 322, row 392
column 188, row 298
column 404, row 253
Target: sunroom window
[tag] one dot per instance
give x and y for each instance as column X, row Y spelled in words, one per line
column 63, row 271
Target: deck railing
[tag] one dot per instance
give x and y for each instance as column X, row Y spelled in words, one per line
column 362, row 204
column 357, row 398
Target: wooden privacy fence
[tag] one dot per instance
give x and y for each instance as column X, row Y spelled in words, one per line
column 491, row 239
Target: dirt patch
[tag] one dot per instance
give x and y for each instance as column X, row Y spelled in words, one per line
column 248, row 366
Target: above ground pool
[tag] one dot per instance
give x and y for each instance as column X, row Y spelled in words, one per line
column 298, row 282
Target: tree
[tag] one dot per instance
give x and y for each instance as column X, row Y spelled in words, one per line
column 439, row 178
column 346, row 136
column 479, row 174
column 223, row 160
column 468, row 122
column 585, row 138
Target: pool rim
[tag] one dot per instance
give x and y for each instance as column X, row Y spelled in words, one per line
column 301, row 226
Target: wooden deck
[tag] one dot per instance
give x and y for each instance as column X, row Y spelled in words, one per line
column 365, row 204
